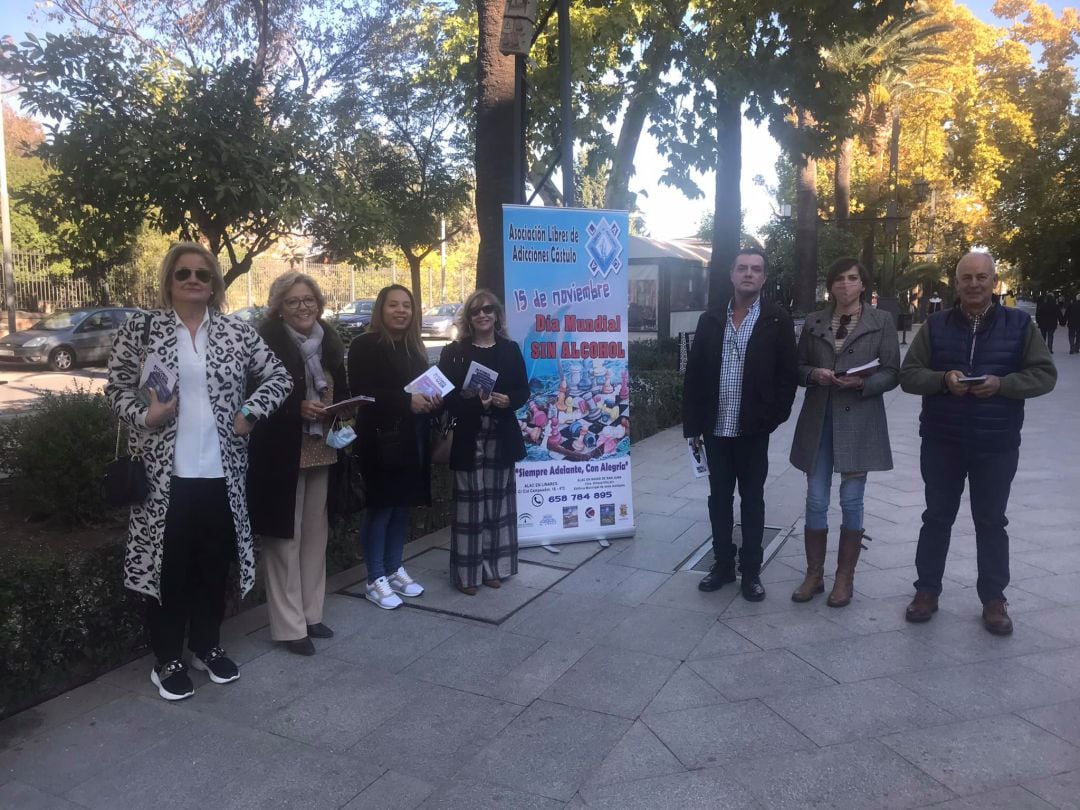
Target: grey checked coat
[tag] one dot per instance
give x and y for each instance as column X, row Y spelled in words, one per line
column 860, row 431
column 235, row 353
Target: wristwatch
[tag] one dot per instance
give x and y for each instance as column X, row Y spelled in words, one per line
column 247, row 414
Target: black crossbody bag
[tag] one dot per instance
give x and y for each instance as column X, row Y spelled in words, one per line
column 125, row 476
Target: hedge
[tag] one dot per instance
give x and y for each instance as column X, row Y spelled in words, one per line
column 63, row 622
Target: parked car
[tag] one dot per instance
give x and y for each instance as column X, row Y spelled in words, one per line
column 250, row 315
column 440, row 322
column 66, row 338
column 356, row 316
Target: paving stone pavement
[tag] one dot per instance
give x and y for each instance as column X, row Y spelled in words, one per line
column 606, row 679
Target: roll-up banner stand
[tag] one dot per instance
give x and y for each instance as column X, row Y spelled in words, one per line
column 566, row 301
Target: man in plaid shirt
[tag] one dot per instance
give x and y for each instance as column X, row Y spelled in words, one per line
column 740, row 382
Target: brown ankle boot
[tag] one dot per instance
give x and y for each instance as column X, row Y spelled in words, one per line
column 814, row 583
column 846, row 559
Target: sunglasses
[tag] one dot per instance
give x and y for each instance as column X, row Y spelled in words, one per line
column 184, row 273
column 842, row 329
column 486, row 309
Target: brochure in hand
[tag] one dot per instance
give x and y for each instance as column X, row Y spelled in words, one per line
column 863, row 370
column 480, row 379
column 345, row 404
column 431, row 383
column 698, row 461
column 158, row 377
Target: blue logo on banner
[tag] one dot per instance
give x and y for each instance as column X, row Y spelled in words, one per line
column 603, row 248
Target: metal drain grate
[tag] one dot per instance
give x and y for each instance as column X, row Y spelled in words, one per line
column 773, row 540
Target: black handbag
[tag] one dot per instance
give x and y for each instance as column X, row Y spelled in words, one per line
column 396, row 447
column 125, row 479
column 125, row 476
column 442, row 438
column 347, row 493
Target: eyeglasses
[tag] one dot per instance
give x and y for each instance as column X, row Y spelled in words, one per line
column 841, row 330
column 307, row 302
column 486, row 309
column 184, row 273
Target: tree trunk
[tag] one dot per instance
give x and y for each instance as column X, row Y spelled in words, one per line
column 842, row 183
column 642, row 99
column 547, row 191
column 727, row 219
column 414, row 280
column 806, row 203
column 495, row 143
column 868, row 249
column 238, row 269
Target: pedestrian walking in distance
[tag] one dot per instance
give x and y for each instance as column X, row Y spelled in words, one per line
column 1072, row 321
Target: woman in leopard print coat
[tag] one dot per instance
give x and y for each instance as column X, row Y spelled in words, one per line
column 194, row 446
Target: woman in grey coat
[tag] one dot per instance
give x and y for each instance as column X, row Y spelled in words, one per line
column 842, row 425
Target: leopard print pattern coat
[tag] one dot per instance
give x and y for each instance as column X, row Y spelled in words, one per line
column 235, row 354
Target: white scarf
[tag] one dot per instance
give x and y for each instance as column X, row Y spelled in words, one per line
column 311, row 350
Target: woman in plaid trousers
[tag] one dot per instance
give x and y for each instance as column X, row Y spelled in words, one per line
column 487, row 443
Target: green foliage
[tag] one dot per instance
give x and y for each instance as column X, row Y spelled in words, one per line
column 1036, row 209
column 653, row 355
column 656, row 397
column 64, row 621
column 779, row 235
column 57, row 456
column 21, row 136
column 394, row 172
column 213, row 153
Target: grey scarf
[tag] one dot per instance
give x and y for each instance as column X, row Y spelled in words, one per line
column 311, row 350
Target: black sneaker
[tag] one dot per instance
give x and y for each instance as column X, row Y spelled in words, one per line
column 172, row 680
column 217, row 665
column 319, row 630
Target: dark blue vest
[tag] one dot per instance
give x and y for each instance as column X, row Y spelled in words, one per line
column 998, row 349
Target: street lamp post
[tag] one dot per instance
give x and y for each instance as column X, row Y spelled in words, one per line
column 5, row 227
column 519, row 34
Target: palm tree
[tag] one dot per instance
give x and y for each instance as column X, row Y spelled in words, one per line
column 883, row 59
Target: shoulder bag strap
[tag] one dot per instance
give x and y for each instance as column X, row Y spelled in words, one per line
column 145, row 344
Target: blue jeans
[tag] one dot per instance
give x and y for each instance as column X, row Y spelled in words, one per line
column 382, row 533
column 819, row 486
column 945, row 467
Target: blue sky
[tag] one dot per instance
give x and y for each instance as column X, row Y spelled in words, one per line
column 668, row 214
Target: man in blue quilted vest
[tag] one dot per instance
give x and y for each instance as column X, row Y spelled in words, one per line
column 974, row 366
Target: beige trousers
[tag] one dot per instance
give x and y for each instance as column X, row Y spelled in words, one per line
column 295, row 568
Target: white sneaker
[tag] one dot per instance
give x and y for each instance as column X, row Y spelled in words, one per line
column 403, row 584
column 381, row 594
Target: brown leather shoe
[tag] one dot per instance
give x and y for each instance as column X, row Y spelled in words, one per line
column 493, row 583
column 996, row 618
column 815, row 541
column 922, row 607
column 468, row 590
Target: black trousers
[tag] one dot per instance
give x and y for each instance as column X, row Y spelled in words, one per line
column 742, row 460
column 945, row 468
column 1074, row 339
column 199, row 546
column 1048, row 336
